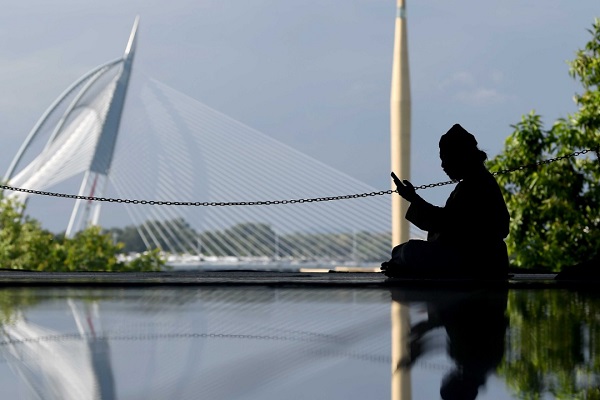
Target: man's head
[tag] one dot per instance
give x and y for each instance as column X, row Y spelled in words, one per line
column 459, row 152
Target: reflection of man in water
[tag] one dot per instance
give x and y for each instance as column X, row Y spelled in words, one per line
column 475, row 325
column 466, row 236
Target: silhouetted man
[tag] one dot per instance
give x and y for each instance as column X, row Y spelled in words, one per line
column 466, row 236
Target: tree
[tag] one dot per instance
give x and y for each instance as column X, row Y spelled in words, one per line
column 130, row 237
column 555, row 209
column 25, row 245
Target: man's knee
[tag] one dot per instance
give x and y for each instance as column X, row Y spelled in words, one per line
column 397, row 250
column 409, row 253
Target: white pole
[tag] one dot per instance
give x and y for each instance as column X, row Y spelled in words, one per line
column 400, row 157
column 400, row 109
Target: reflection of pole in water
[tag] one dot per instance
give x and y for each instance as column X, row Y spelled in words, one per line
column 400, row 124
column 401, row 387
column 99, row 351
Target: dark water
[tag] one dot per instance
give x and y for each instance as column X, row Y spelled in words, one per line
column 261, row 343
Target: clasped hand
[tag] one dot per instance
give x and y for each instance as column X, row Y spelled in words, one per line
column 405, row 189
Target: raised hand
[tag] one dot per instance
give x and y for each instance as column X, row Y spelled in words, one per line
column 405, row 188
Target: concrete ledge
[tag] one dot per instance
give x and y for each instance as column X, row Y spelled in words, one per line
column 332, row 279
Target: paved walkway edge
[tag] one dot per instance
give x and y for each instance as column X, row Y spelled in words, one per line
column 12, row 278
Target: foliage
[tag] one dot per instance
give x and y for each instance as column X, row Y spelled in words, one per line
column 130, row 237
column 90, row 250
column 552, row 344
column 14, row 300
column 25, row 245
column 147, row 261
column 179, row 230
column 555, row 209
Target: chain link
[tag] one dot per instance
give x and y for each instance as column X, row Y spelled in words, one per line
column 277, row 202
column 543, row 162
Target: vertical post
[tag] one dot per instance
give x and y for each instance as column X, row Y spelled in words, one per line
column 400, row 109
column 400, row 159
column 401, row 384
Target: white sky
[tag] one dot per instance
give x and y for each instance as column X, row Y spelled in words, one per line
column 312, row 74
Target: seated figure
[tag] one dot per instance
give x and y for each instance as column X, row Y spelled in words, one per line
column 466, row 236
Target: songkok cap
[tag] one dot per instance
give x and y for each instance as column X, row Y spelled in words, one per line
column 458, row 137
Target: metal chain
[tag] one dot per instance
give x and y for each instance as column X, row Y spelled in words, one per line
column 196, row 203
column 274, row 202
column 543, row 162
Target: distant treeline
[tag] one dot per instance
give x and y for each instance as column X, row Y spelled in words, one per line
column 252, row 239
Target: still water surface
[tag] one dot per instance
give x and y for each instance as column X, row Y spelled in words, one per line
column 274, row 343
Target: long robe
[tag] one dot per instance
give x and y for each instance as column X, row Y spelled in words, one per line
column 466, row 236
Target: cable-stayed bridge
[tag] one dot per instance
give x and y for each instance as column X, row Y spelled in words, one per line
column 117, row 133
